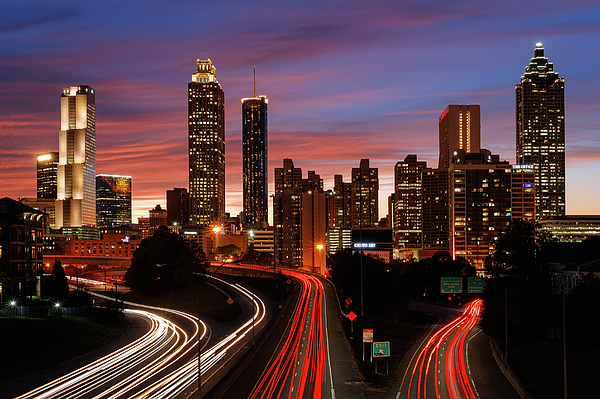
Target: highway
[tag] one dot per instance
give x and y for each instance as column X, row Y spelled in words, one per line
column 163, row 362
column 439, row 367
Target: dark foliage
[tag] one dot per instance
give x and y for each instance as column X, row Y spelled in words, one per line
column 384, row 286
column 583, row 311
column 253, row 257
column 58, row 286
column 518, row 250
column 163, row 262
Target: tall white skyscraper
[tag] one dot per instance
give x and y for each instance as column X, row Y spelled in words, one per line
column 76, row 184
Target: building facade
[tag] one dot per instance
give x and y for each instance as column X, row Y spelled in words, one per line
column 435, row 210
column 113, row 200
column 76, row 171
column 299, row 219
column 178, row 207
column 408, row 203
column 21, row 245
column 365, row 195
column 206, row 139
column 255, row 160
column 540, row 109
column 459, row 128
column 47, row 175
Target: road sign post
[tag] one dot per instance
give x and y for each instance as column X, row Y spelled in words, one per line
column 381, row 349
column 367, row 338
column 351, row 316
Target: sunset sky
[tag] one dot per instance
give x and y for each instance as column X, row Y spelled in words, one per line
column 345, row 80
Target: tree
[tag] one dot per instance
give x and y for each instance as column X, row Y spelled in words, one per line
column 58, row 286
column 254, row 257
column 158, row 263
column 517, row 249
column 230, row 249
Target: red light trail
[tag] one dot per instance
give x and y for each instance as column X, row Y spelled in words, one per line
column 455, row 384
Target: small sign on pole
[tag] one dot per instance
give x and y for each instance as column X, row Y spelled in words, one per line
column 351, row 316
column 381, row 349
column 367, row 338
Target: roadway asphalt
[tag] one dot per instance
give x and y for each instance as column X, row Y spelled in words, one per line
column 489, row 380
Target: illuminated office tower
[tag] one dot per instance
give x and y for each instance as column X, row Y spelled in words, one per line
column 255, row 160
column 113, row 200
column 299, row 219
column 76, row 182
column 540, row 103
column 408, row 203
column 365, row 192
column 47, row 175
column 206, row 135
column 459, row 128
column 435, row 209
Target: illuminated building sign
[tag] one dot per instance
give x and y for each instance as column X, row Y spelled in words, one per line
column 528, row 185
column 44, row 157
column 523, row 166
column 365, row 245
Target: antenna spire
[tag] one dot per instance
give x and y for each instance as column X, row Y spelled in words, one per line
column 255, row 81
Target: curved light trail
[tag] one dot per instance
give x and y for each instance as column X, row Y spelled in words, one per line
column 297, row 368
column 446, row 350
column 160, row 364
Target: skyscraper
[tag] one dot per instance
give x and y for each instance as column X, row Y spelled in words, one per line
column 113, row 200
column 178, row 206
column 540, row 103
column 459, row 128
column 255, row 159
column 365, row 195
column 408, row 203
column 76, row 183
column 47, row 172
column 206, row 137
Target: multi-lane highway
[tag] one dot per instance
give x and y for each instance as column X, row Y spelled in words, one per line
column 299, row 366
column 439, row 367
column 163, row 362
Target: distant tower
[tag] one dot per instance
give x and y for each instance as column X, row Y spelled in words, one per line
column 47, row 175
column 113, row 200
column 178, row 207
column 76, row 184
column 206, row 135
column 540, row 103
column 408, row 203
column 460, row 128
column 255, row 159
column 365, row 195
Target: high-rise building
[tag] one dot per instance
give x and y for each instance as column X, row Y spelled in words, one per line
column 156, row 217
column 113, row 200
column 287, row 177
column 206, row 135
column 408, row 202
column 365, row 193
column 255, row 160
column 459, row 128
column 178, row 207
column 47, row 175
column 299, row 219
column 435, row 210
column 339, row 232
column 540, row 103
column 76, row 183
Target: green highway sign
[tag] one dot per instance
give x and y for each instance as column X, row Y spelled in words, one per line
column 476, row 285
column 451, row 285
column 381, row 349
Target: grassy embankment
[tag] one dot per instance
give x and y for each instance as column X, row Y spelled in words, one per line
column 401, row 336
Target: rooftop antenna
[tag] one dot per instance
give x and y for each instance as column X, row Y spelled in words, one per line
column 254, row 80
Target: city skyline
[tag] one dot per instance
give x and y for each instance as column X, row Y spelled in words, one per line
column 345, row 83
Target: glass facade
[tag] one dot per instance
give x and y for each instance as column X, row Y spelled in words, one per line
column 540, row 109
column 47, row 175
column 113, row 200
column 255, row 160
column 206, row 139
